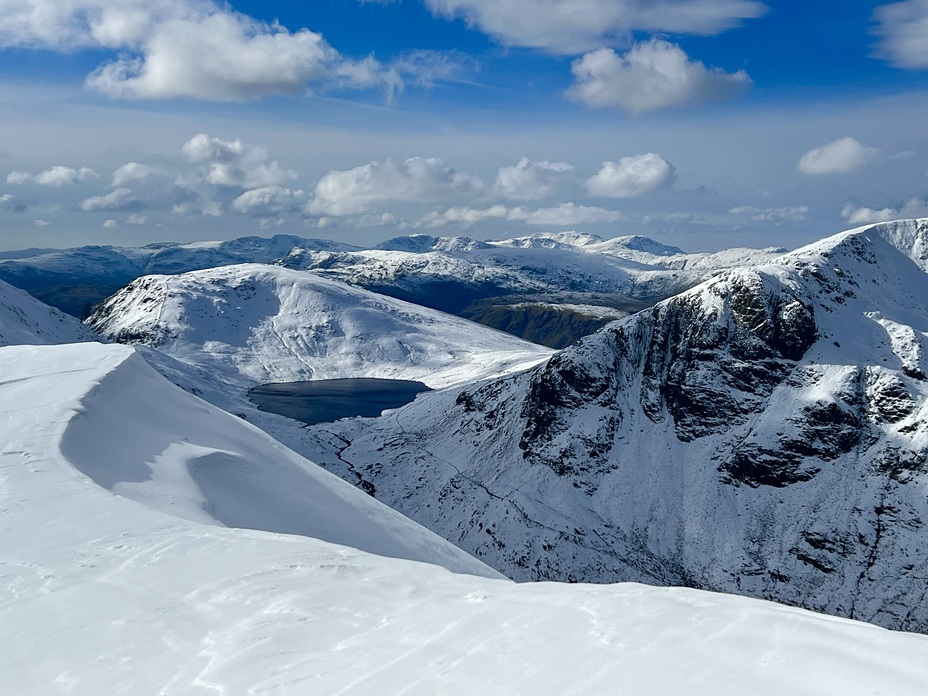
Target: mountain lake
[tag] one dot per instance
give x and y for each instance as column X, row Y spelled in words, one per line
column 328, row 400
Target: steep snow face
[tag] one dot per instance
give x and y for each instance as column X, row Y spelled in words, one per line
column 765, row 433
column 126, row 428
column 25, row 320
column 254, row 324
column 116, row 576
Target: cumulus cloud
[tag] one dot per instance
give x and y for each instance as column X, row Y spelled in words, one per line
column 269, row 201
column 418, row 179
column 775, row 215
column 118, row 199
column 131, row 172
column 631, row 176
column 573, row 26
column 837, row 157
column 55, row 176
column 41, row 223
column 110, row 224
column 653, row 75
column 862, row 215
column 902, row 28
column 528, row 181
column 200, row 49
column 233, row 163
column 136, row 219
column 565, row 214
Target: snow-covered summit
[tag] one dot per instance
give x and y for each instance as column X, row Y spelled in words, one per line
column 255, row 324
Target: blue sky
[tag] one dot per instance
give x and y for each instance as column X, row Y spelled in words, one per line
column 706, row 124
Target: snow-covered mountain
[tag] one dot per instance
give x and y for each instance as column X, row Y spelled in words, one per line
column 632, row 267
column 252, row 324
column 141, row 553
column 73, row 278
column 765, row 433
column 25, row 320
column 453, row 274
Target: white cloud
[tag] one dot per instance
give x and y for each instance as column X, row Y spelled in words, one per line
column 201, row 49
column 464, row 216
column 110, row 224
column 221, row 57
column 776, row 215
column 573, row 26
column 55, row 176
column 862, row 215
column 528, row 181
column 10, row 204
column 118, row 199
column 136, row 219
column 631, row 176
column 131, row 172
column 418, row 179
column 269, row 201
column 653, row 75
column 837, row 157
column 902, row 28
column 233, row 163
column 565, row 214
column 41, row 223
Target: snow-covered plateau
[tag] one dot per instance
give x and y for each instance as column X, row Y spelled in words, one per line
column 764, row 433
column 152, row 544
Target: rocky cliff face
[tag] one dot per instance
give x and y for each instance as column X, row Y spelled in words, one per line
column 765, row 433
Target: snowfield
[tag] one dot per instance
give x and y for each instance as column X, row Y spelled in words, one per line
column 141, row 553
column 252, row 324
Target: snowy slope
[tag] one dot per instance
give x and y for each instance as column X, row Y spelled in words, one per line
column 765, row 433
column 25, row 320
column 254, row 324
column 106, row 589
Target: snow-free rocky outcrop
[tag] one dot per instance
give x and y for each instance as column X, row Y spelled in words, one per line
column 153, row 544
column 253, row 324
column 765, row 433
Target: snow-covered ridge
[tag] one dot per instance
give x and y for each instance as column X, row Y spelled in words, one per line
column 255, row 324
column 763, row 433
column 121, row 424
column 25, row 320
column 144, row 592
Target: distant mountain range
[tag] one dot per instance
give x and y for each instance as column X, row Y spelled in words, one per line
column 547, row 288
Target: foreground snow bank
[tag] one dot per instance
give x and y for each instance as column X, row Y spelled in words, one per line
column 100, row 594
